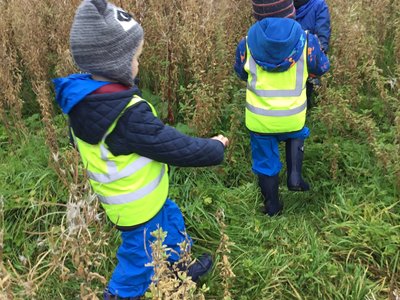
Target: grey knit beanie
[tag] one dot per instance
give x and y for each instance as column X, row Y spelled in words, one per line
column 104, row 39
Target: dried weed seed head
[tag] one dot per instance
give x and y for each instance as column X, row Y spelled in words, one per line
column 171, row 282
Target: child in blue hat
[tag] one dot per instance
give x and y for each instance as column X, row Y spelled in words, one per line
column 275, row 59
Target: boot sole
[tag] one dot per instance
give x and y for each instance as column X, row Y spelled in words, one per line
column 297, row 189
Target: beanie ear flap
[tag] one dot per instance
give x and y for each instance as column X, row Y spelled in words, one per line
column 101, row 5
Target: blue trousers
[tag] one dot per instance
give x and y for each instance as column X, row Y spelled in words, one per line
column 265, row 150
column 131, row 278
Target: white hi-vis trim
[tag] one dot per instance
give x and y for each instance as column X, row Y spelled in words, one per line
column 113, row 173
column 111, row 166
column 276, row 113
column 136, row 195
column 277, row 93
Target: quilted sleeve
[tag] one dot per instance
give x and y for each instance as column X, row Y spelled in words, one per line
column 139, row 131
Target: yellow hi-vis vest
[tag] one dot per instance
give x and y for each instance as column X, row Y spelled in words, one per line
column 131, row 188
column 276, row 102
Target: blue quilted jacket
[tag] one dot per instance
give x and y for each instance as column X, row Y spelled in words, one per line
column 137, row 131
column 314, row 16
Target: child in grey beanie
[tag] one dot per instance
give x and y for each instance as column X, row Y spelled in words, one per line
column 125, row 148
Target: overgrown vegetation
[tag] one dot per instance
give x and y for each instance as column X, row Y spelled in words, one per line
column 339, row 241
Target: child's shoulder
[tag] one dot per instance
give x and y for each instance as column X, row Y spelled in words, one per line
column 314, row 5
column 320, row 3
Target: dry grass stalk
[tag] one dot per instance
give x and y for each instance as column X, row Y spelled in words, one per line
column 82, row 237
column 88, row 294
column 62, row 16
column 81, row 242
column 79, row 239
column 5, row 280
column 226, row 272
column 35, row 55
column 1, row 228
column 190, row 54
column 334, row 161
column 5, row 284
column 41, row 90
column 359, row 46
column 397, row 143
column 10, row 75
column 28, row 283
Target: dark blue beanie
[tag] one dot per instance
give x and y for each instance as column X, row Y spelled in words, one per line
column 273, row 8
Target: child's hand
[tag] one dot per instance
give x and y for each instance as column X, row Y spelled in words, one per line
column 222, row 139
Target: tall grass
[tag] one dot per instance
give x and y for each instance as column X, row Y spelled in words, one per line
column 339, row 241
column 10, row 75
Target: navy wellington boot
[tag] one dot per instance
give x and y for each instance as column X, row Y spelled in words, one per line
column 269, row 186
column 197, row 268
column 108, row 296
column 200, row 267
column 294, row 161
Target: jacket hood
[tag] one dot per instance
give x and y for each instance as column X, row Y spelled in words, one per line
column 305, row 8
column 73, row 89
column 90, row 116
column 276, row 43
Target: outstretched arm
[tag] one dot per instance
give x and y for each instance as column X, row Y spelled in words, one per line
column 139, row 131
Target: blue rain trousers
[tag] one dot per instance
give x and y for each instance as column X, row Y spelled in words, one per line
column 131, row 278
column 265, row 150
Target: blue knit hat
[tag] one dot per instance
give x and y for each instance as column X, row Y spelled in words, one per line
column 273, row 8
column 272, row 40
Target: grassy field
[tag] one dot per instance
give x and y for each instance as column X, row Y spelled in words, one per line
column 339, row 241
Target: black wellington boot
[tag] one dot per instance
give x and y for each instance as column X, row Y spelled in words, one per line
column 270, row 190
column 294, row 161
column 108, row 296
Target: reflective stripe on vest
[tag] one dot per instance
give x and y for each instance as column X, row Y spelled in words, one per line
column 131, row 188
column 113, row 173
column 138, row 194
column 277, row 113
column 277, row 93
column 276, row 102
